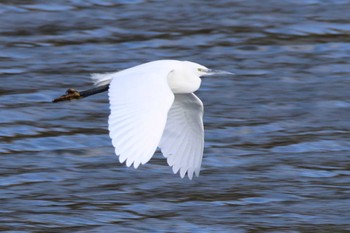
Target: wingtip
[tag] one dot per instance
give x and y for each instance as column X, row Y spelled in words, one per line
column 197, row 171
column 183, row 172
column 175, row 169
column 136, row 164
column 122, row 158
column 190, row 175
column 129, row 162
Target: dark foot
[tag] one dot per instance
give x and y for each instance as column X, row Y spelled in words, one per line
column 71, row 94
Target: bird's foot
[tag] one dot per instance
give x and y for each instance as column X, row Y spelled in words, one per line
column 71, row 94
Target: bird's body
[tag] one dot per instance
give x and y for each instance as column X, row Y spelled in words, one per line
column 178, row 74
column 153, row 108
column 152, row 105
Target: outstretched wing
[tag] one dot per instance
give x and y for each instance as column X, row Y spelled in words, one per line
column 139, row 103
column 183, row 138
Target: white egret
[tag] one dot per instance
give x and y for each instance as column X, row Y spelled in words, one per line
column 152, row 105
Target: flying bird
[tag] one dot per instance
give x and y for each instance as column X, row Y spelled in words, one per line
column 152, row 105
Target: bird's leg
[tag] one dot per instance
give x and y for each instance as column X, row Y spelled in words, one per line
column 72, row 94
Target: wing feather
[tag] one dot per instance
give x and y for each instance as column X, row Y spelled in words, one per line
column 139, row 104
column 183, row 139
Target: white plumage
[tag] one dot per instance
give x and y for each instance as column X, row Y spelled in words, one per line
column 153, row 105
column 183, row 137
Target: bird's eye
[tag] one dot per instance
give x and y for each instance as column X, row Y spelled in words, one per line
column 201, row 70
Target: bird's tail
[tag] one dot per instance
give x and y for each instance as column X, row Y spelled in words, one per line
column 102, row 79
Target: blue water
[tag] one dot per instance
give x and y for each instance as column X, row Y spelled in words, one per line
column 277, row 152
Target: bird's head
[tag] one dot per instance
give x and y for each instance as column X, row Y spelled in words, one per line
column 185, row 78
column 199, row 70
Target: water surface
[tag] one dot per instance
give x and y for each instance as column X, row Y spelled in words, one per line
column 277, row 146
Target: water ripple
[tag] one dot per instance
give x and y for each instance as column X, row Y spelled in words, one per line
column 276, row 152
